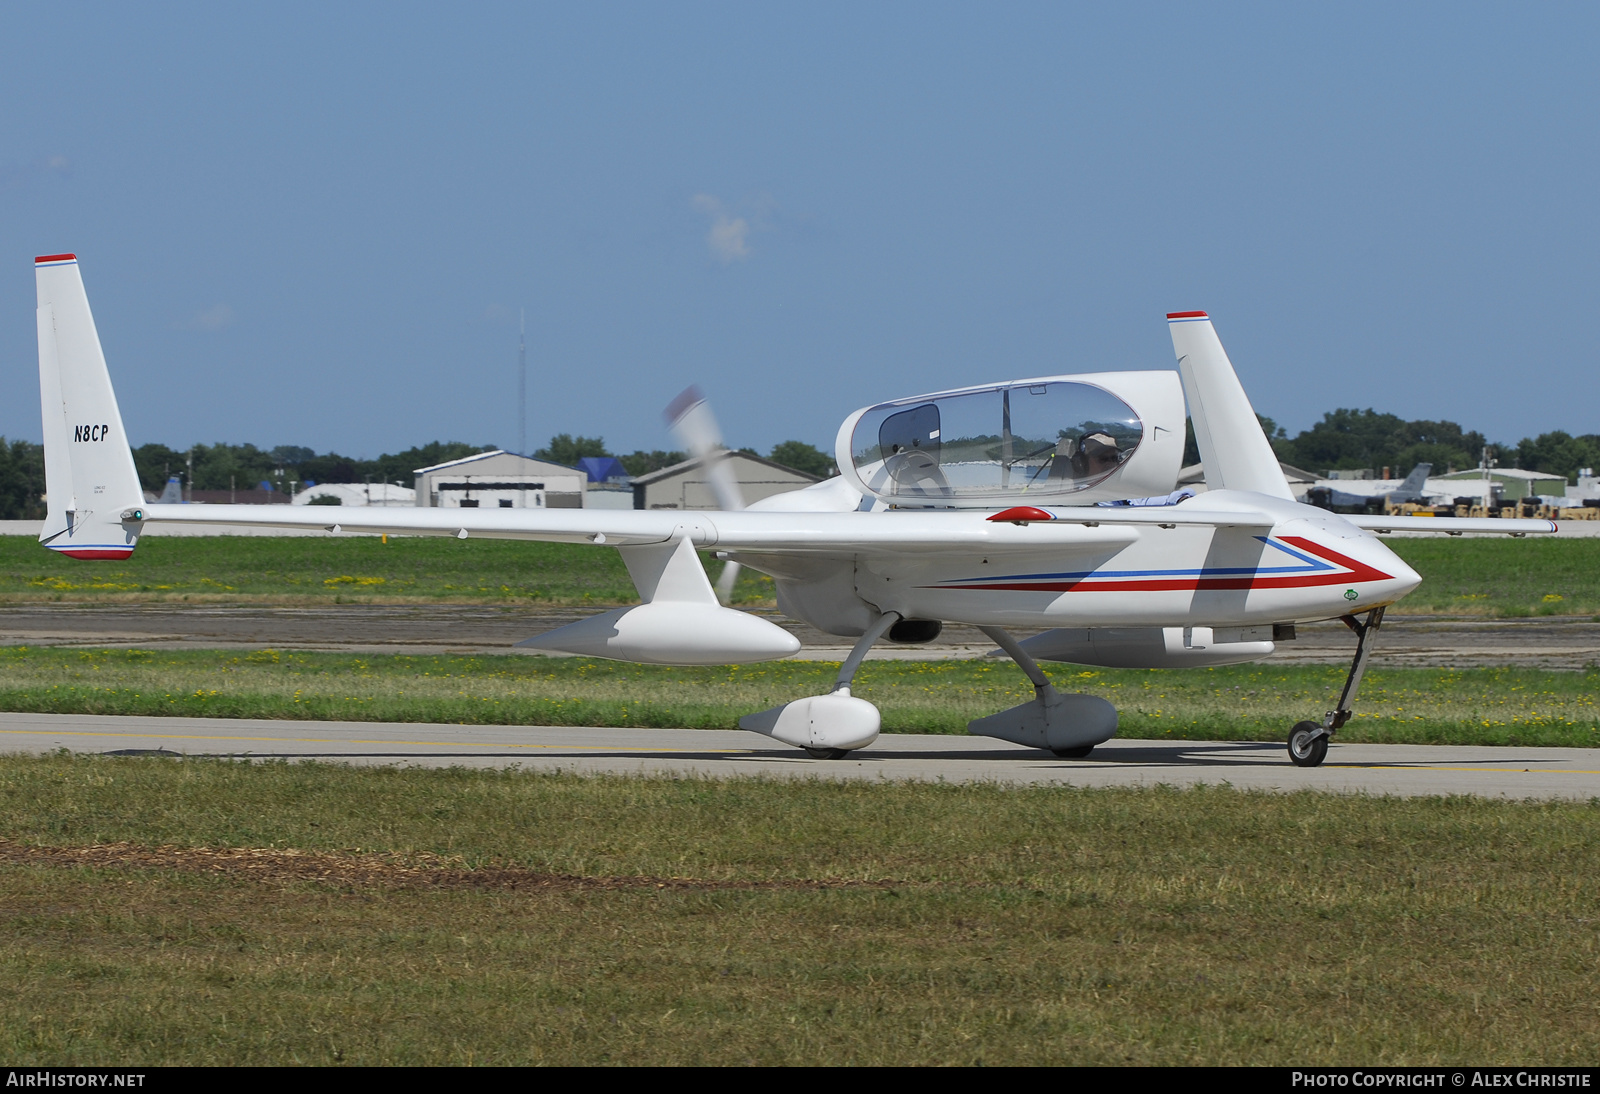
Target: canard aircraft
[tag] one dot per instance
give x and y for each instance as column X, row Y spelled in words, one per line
column 1042, row 504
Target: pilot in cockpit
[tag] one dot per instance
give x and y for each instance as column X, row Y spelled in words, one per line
column 1086, row 457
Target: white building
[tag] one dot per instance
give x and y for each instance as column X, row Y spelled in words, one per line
column 358, row 493
column 1514, row 484
column 1588, row 488
column 500, row 479
column 686, row 486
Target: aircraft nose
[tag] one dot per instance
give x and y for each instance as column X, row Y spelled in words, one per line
column 1372, row 573
column 1402, row 578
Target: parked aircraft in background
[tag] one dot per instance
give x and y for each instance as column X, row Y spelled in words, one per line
column 976, row 506
column 1341, row 501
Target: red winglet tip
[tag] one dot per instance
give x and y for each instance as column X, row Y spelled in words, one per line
column 1020, row 513
column 1187, row 315
column 55, row 258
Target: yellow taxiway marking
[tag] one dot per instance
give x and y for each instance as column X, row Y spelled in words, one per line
column 360, row 741
column 1435, row 767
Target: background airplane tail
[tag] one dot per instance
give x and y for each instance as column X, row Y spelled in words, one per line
column 1417, row 479
column 92, row 490
column 1236, row 453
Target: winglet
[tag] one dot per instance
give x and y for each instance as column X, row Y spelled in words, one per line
column 91, row 485
column 1234, row 450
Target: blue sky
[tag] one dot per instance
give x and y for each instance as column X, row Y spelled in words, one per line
column 315, row 224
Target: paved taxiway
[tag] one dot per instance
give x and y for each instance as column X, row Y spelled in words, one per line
column 1405, row 770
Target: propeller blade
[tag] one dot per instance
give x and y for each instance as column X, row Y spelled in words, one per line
column 726, row 581
column 691, row 421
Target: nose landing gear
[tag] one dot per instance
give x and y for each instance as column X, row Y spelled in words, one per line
column 1308, row 744
column 1308, row 741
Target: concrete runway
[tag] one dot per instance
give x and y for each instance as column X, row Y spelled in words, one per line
column 1402, row 770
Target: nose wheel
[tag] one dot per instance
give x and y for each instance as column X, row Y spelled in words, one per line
column 1308, row 744
column 1308, row 741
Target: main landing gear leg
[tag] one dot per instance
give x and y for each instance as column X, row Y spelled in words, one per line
column 1308, row 741
column 847, row 674
column 1068, row 725
column 1002, row 638
column 847, row 670
column 829, row 726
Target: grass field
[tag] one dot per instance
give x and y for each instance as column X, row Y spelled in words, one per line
column 295, row 569
column 162, row 912
column 1245, row 702
column 1463, row 577
column 1502, row 577
column 199, row 912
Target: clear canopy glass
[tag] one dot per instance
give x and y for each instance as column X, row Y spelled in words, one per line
column 1035, row 440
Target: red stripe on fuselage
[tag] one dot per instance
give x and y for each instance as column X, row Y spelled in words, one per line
column 98, row 554
column 1355, row 573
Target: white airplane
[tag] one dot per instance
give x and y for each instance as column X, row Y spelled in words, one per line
column 978, row 506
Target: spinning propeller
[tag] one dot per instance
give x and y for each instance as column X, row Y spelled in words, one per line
column 692, row 423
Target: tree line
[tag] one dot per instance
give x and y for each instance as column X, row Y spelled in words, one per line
column 1345, row 438
column 1349, row 439
column 243, row 466
column 1364, row 438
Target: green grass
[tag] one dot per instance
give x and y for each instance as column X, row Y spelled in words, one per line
column 295, row 569
column 1502, row 577
column 1247, row 702
column 161, row 912
column 1464, row 577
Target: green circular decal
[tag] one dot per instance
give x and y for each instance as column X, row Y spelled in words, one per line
column 1350, row 594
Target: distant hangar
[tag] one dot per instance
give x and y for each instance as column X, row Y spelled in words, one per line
column 505, row 480
column 685, row 485
column 502, row 480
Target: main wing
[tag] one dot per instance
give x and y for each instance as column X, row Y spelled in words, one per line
column 1454, row 526
column 767, row 531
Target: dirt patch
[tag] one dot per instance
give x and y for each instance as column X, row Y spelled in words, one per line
column 421, row 870
column 1416, row 640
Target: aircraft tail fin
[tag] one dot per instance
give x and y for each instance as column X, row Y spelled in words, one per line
column 94, row 499
column 1417, row 479
column 1235, row 451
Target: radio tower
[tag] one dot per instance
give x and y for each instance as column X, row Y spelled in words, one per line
column 522, row 382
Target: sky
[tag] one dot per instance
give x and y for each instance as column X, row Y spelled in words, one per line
column 317, row 224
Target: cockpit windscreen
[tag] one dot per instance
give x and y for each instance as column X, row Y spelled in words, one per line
column 1037, row 440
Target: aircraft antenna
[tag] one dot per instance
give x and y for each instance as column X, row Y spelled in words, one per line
column 522, row 382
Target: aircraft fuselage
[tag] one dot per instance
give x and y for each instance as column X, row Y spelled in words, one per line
column 1309, row 564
